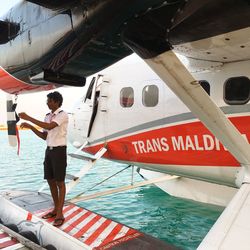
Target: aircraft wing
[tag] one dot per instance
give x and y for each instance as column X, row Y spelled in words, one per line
column 55, row 4
column 107, row 31
column 231, row 230
column 80, row 38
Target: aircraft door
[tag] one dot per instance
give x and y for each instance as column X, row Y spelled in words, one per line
column 83, row 116
column 93, row 96
column 104, row 108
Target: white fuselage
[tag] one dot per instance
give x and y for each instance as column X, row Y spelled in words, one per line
column 164, row 137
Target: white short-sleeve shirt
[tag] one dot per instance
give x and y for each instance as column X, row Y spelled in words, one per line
column 58, row 135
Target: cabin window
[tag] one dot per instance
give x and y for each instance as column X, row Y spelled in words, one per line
column 237, row 90
column 205, row 85
column 127, row 97
column 150, row 95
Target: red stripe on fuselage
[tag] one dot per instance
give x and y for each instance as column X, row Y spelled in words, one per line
column 12, row 85
column 186, row 144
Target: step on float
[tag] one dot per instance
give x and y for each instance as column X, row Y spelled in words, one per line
column 22, row 212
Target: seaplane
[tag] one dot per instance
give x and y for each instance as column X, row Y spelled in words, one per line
column 183, row 122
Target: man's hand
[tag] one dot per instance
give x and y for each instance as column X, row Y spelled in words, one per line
column 25, row 125
column 24, row 116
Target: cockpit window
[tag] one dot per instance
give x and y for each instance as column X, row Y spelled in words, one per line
column 127, row 97
column 150, row 95
column 205, row 85
column 237, row 90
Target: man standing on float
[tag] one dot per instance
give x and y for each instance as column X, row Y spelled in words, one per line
column 55, row 162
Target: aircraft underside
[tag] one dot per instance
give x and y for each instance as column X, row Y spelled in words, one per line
column 69, row 41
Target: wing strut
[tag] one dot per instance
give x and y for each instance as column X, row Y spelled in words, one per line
column 122, row 189
column 231, row 230
column 171, row 70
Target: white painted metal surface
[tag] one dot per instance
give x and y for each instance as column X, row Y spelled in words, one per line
column 171, row 70
column 231, row 230
column 193, row 189
column 119, row 122
column 228, row 47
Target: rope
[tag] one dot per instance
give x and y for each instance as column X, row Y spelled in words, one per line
column 102, row 182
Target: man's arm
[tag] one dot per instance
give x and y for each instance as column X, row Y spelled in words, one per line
column 39, row 133
column 44, row 125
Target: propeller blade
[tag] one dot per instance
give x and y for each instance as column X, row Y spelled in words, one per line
column 11, row 122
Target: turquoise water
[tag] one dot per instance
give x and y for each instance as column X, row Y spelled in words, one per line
column 181, row 222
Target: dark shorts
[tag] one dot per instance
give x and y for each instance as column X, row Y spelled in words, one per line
column 55, row 163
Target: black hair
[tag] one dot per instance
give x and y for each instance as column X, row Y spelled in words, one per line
column 56, row 96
